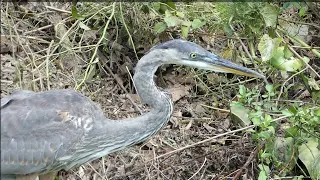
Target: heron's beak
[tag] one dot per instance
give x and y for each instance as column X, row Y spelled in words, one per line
column 215, row 63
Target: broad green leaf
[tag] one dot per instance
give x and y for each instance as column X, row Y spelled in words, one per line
column 75, row 14
column 156, row 6
column 313, row 84
column 296, row 5
column 291, row 131
column 287, row 5
column 292, row 65
column 302, row 11
column 242, row 90
column 197, row 23
column 287, row 52
column 185, row 30
column 317, row 112
column 264, row 135
column 263, row 175
column 145, row 9
column 160, row 27
column 180, row 14
column 279, row 61
column 268, row 46
column 270, row 14
column 163, row 8
column 309, row 154
column 305, row 59
column 269, row 87
column 167, row 13
column 186, row 23
column 286, row 112
column 264, row 171
column 172, row 21
column 171, row 4
column 239, row 114
column 283, row 151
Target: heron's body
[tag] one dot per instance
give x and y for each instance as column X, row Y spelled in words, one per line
column 48, row 131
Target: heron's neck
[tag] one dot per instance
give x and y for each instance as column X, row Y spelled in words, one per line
column 126, row 132
column 146, row 87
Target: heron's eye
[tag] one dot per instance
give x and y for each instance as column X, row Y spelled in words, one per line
column 193, row 55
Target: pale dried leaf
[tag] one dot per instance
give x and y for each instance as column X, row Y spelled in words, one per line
column 81, row 172
column 189, row 125
column 208, row 127
column 179, row 92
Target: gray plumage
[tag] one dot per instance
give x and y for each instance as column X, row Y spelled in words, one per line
column 48, row 131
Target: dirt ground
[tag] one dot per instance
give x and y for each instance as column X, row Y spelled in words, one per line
column 32, row 42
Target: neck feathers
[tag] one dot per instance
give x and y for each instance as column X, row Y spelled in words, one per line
column 126, row 132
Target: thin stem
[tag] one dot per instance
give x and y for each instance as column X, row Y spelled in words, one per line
column 93, row 57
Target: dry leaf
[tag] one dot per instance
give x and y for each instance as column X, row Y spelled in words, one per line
column 81, row 172
column 189, row 125
column 208, row 128
column 179, row 92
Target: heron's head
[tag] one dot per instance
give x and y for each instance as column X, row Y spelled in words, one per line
column 190, row 54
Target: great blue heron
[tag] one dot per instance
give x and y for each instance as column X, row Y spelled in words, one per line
column 44, row 132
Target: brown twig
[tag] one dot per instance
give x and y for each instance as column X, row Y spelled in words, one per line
column 104, row 59
column 299, row 22
column 212, row 138
column 252, row 155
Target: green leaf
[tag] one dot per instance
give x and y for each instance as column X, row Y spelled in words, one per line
column 145, row 9
column 309, row 154
column 167, row 13
column 171, row 4
column 270, row 14
column 264, row 135
column 197, row 23
column 291, row 131
column 287, row 5
column 268, row 46
column 287, row 52
column 160, row 27
column 185, row 31
column 305, row 59
column 172, row 21
column 156, row 6
column 317, row 112
column 296, row 5
column 186, row 23
column 286, row 112
column 293, row 110
column 264, row 171
column 75, row 14
column 302, row 11
column 180, row 14
column 269, row 88
column 227, row 29
column 313, row 84
column 239, row 114
column 283, row 150
column 279, row 61
column 242, row 90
